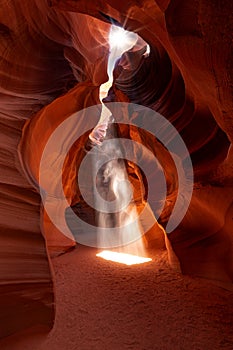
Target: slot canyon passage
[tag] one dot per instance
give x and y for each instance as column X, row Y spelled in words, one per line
column 168, row 98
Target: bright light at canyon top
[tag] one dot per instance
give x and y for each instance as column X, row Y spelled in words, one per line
column 121, row 39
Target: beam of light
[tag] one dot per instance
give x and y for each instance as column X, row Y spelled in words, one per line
column 125, row 222
column 123, row 258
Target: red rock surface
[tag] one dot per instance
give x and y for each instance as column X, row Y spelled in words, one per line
column 42, row 56
column 49, row 47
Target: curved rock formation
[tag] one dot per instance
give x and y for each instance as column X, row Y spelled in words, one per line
column 50, row 47
column 42, row 57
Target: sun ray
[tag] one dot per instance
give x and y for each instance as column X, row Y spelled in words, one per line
column 122, row 258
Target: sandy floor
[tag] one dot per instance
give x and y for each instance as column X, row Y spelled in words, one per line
column 105, row 305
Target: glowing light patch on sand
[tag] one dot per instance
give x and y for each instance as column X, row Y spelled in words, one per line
column 123, row 258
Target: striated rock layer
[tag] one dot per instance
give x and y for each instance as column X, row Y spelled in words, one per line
column 49, row 47
column 43, row 55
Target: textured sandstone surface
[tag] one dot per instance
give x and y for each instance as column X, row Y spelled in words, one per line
column 131, row 307
column 42, row 57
